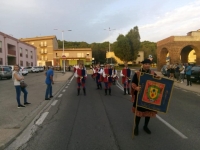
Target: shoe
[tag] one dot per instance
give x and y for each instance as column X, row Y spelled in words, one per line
column 27, row 103
column 20, row 106
column 146, row 129
column 51, row 96
column 47, row 99
column 136, row 132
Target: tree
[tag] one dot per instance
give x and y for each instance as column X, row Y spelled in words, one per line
column 122, row 48
column 134, row 41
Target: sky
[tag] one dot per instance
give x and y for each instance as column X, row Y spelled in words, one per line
column 99, row 20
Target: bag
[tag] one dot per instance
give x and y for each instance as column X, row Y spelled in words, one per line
column 23, row 84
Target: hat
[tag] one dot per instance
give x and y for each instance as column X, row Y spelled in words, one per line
column 146, row 61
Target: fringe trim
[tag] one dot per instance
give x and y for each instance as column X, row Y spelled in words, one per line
column 145, row 113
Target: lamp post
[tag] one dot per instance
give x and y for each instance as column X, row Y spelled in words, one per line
column 63, row 54
column 109, row 29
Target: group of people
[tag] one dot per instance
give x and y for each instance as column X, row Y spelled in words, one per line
column 105, row 75
column 179, row 71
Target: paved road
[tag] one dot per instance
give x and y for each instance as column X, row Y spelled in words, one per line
column 96, row 121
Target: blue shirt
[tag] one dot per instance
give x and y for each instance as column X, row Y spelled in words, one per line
column 188, row 70
column 48, row 74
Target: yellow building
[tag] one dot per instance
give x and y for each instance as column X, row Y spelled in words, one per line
column 48, row 53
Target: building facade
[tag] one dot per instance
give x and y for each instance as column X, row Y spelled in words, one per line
column 72, row 56
column 45, row 49
column 14, row 51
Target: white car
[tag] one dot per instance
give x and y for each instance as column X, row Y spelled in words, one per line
column 40, row 68
column 33, row 69
column 23, row 71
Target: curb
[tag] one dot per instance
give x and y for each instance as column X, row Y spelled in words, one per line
column 38, row 113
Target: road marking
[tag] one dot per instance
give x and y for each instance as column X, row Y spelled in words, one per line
column 162, row 120
column 63, row 90
column 66, row 87
column 171, row 127
column 41, row 119
column 54, row 102
column 184, row 91
column 60, row 95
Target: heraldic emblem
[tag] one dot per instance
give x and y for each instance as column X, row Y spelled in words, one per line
column 155, row 92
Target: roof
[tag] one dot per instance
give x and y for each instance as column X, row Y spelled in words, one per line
column 38, row 38
column 15, row 39
column 75, row 49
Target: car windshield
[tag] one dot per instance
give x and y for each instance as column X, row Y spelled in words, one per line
column 196, row 68
column 6, row 69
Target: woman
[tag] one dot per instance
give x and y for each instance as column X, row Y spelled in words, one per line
column 135, row 88
column 17, row 77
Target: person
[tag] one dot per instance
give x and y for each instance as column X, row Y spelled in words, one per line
column 135, row 88
column 107, row 75
column 172, row 71
column 49, row 81
column 81, row 75
column 17, row 78
column 125, row 74
column 182, row 73
column 114, row 75
column 188, row 74
column 177, row 72
column 99, row 76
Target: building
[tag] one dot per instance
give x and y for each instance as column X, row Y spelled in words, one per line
column 14, row 51
column 139, row 59
column 177, row 49
column 48, row 53
column 45, row 49
column 72, row 56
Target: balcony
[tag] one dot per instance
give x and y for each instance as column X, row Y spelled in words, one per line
column 43, row 44
column 11, row 52
column 21, row 55
column 45, row 52
column 26, row 55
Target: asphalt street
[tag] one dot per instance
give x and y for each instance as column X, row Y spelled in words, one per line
column 99, row 122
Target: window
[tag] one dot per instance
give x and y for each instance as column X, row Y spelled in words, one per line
column 26, row 53
column 31, row 63
column 1, row 61
column 80, row 55
column 27, row 64
column 138, row 55
column 21, row 52
column 31, row 55
column 0, row 46
column 21, row 63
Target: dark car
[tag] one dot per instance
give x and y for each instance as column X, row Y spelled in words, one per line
column 195, row 76
column 5, row 72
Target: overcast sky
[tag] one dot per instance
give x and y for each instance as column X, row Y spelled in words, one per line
column 156, row 19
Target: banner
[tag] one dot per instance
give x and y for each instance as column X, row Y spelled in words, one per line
column 155, row 93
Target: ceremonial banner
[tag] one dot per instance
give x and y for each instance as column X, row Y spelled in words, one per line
column 155, row 93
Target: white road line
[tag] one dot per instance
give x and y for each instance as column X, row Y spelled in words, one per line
column 66, row 87
column 63, row 90
column 171, row 127
column 162, row 120
column 60, row 95
column 54, row 102
column 41, row 119
column 184, row 91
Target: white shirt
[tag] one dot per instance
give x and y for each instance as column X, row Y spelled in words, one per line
column 16, row 82
column 183, row 71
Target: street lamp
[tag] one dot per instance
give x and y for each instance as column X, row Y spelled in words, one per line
column 109, row 29
column 63, row 55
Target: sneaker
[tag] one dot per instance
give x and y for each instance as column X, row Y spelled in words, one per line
column 27, row 103
column 146, row 129
column 47, row 99
column 20, row 106
column 51, row 96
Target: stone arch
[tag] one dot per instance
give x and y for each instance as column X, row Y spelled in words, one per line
column 184, row 52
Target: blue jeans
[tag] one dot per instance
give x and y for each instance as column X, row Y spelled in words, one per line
column 18, row 93
column 48, row 91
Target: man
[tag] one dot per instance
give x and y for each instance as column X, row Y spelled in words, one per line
column 125, row 74
column 188, row 74
column 81, row 75
column 135, row 88
column 99, row 77
column 107, row 74
column 49, row 81
column 177, row 72
column 182, row 73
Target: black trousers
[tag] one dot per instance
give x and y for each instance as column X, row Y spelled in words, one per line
column 188, row 80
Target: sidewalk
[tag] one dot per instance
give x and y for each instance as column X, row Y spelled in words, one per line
column 13, row 120
column 194, row 88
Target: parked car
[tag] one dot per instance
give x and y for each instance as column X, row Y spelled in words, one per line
column 23, row 71
column 5, row 72
column 164, row 70
column 195, row 76
column 33, row 69
column 41, row 69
